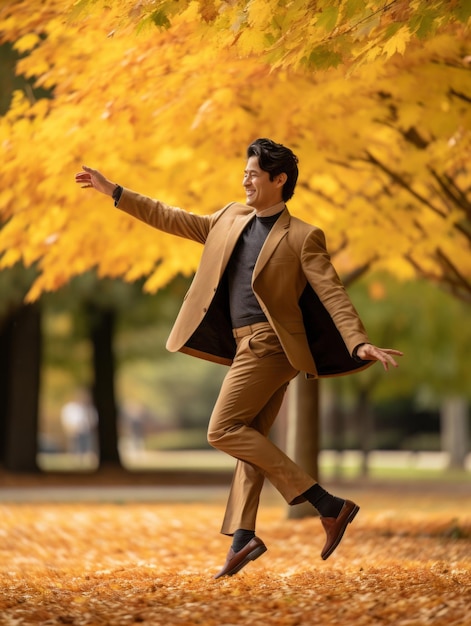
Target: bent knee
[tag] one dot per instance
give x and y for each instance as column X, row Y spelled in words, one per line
column 220, row 439
column 213, row 437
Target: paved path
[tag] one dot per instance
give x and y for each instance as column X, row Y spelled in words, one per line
column 116, row 494
column 202, row 476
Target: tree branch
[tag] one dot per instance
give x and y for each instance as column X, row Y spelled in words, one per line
column 455, row 288
column 451, row 189
column 397, row 178
column 358, row 272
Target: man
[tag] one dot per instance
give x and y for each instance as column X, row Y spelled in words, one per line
column 266, row 301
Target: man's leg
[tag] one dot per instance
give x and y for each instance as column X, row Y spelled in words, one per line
column 253, row 389
column 247, row 482
column 260, row 413
column 259, row 370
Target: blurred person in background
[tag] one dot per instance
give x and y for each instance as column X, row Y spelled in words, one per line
column 79, row 421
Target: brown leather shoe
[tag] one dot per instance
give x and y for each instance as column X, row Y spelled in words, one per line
column 335, row 527
column 237, row 560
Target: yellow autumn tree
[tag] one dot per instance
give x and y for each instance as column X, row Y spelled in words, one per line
column 164, row 98
column 301, row 34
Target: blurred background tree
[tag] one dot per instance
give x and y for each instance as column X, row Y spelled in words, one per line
column 374, row 97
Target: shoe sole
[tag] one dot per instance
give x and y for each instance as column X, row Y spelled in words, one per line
column 348, row 521
column 251, row 556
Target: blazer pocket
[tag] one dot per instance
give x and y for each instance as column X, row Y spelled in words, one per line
column 264, row 343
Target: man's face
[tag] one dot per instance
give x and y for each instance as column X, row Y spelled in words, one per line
column 261, row 192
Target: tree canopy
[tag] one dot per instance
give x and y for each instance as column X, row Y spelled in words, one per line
column 301, row 34
column 163, row 97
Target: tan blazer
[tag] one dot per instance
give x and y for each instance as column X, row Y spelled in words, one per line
column 294, row 281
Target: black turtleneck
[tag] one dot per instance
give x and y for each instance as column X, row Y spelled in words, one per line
column 244, row 306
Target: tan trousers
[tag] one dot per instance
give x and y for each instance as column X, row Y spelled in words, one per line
column 248, row 403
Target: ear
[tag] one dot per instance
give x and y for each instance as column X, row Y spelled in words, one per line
column 281, row 179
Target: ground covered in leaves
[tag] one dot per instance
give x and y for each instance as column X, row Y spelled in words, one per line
column 405, row 561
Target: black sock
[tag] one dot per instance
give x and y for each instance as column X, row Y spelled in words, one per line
column 327, row 504
column 241, row 538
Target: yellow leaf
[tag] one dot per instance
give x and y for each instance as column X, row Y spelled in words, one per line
column 397, row 43
column 27, row 42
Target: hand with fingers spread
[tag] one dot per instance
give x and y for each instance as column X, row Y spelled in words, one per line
column 369, row 352
column 90, row 178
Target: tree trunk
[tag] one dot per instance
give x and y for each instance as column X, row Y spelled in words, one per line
column 365, row 426
column 102, row 326
column 20, row 366
column 303, row 434
column 5, row 351
column 455, row 430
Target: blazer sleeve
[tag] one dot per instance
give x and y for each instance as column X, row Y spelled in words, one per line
column 167, row 218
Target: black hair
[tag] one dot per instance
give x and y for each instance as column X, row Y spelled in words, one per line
column 275, row 159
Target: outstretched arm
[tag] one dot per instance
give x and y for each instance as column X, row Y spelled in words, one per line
column 155, row 213
column 90, row 178
column 368, row 352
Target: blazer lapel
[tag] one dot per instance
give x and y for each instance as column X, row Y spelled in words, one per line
column 279, row 230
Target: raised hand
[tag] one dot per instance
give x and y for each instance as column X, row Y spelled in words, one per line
column 90, row 178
